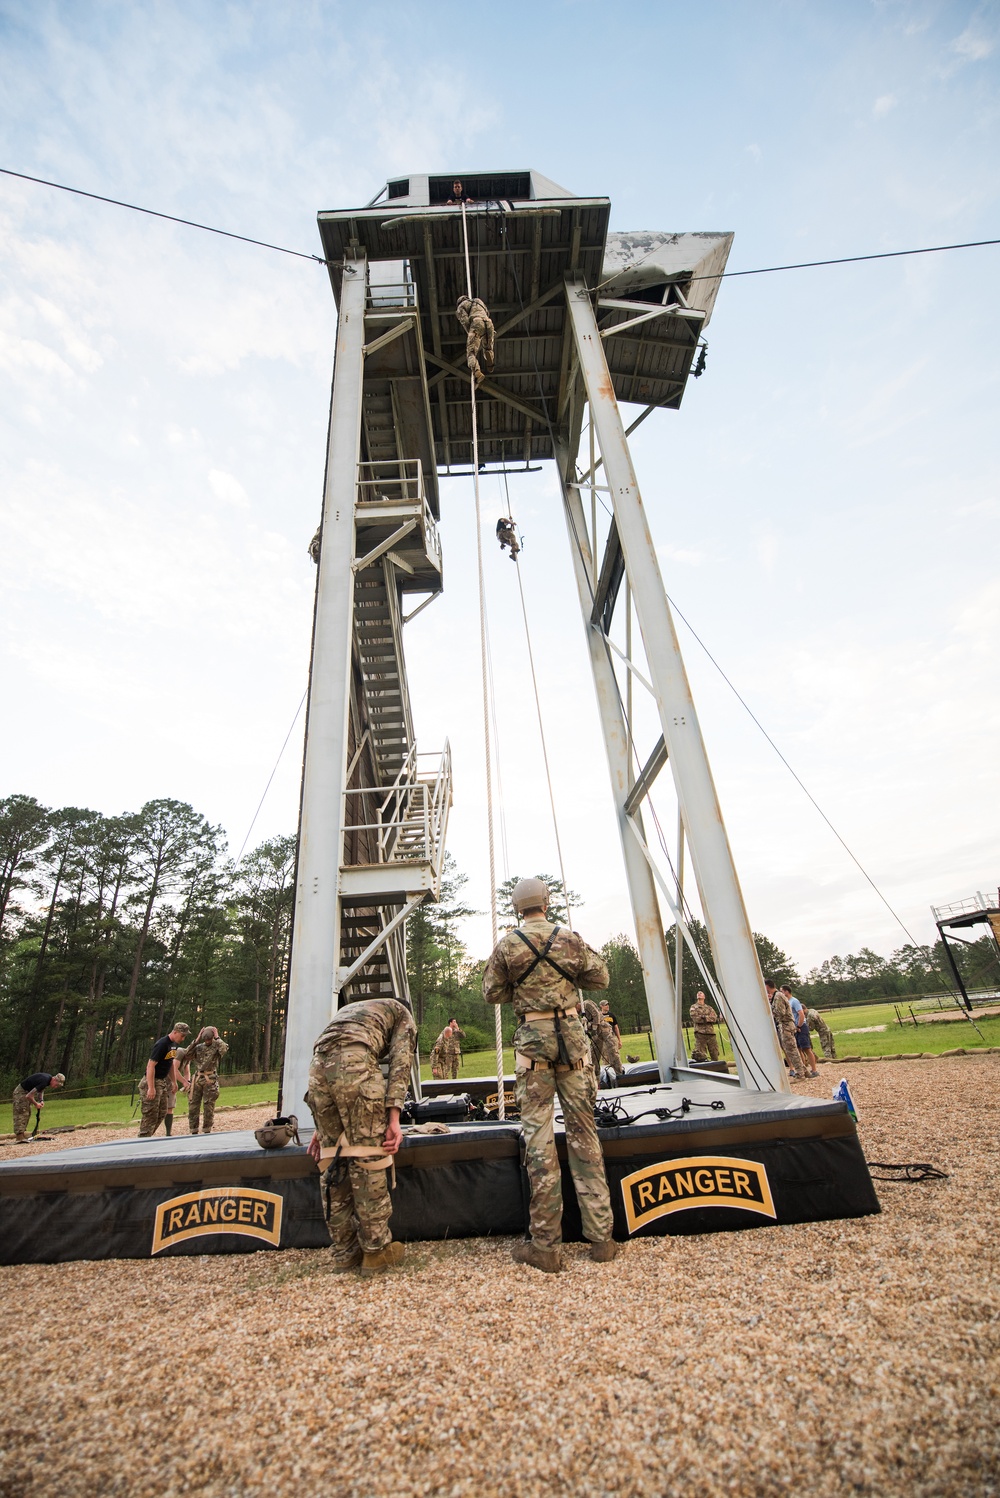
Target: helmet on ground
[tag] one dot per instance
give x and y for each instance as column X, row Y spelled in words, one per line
column 277, row 1132
column 527, row 893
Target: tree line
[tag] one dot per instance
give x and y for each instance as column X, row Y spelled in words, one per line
column 113, row 926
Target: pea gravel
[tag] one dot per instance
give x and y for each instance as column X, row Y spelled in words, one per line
column 831, row 1358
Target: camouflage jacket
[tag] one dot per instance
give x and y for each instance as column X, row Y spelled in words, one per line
column 386, row 1028
column 204, row 1055
column 814, row 1018
column 504, row 980
column 703, row 1016
column 599, row 1032
column 782, row 1010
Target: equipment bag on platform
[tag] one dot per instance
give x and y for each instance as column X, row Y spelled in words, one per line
column 277, row 1132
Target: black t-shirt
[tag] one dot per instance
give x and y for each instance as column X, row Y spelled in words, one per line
column 163, row 1054
column 37, row 1082
column 607, row 1015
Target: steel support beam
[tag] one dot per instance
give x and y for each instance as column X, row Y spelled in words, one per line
column 721, row 898
column 316, row 941
column 650, row 936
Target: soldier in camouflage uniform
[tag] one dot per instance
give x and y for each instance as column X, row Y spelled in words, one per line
column 452, row 1051
column 704, row 1019
column 474, row 316
column 819, row 1024
column 603, row 1050
column 538, row 968
column 354, row 1106
column 781, row 1011
column 439, row 1054
column 204, row 1055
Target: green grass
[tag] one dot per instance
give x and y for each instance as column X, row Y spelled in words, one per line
column 896, row 1039
column 60, row 1111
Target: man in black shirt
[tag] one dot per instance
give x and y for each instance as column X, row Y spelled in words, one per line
column 162, row 1079
column 30, row 1092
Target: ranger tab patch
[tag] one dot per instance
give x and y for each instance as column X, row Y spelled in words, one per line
column 696, row 1181
column 219, row 1209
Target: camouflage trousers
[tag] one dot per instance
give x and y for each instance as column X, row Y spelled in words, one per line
column 786, row 1039
column 827, row 1042
column 608, row 1055
column 577, row 1090
column 155, row 1105
column 705, row 1040
column 450, row 1065
column 204, row 1094
column 479, row 346
column 22, row 1111
column 347, row 1096
column 437, row 1070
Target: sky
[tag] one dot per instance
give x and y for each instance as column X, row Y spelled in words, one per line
column 825, row 504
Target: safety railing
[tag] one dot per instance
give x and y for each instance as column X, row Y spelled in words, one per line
column 406, row 821
column 975, row 902
column 386, row 295
column 393, row 490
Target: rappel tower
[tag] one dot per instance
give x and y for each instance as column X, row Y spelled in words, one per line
column 586, row 321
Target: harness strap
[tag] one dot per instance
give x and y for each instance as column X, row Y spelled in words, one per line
column 535, row 1014
column 366, row 1156
column 542, row 956
column 538, row 1063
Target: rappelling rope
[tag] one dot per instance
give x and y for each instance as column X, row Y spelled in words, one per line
column 484, row 654
column 541, row 725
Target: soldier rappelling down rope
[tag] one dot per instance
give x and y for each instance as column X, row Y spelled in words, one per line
column 507, row 536
column 474, row 316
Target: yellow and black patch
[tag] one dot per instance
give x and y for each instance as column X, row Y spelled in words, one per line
column 696, row 1181
column 220, row 1209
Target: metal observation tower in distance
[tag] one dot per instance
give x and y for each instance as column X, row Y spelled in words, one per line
column 587, row 321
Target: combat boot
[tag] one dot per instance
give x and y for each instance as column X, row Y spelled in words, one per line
column 383, row 1259
column 344, row 1266
column 549, row 1260
column 603, row 1253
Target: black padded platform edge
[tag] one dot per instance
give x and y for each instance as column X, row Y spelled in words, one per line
column 101, row 1201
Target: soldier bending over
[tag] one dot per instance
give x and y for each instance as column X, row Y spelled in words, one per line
column 28, row 1094
column 538, row 968
column 357, row 1113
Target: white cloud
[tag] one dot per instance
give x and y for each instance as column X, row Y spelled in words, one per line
column 973, row 45
column 883, row 104
column 227, row 487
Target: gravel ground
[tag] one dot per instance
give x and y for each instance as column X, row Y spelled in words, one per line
column 830, row 1358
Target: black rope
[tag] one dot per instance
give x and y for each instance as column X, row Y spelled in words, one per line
column 188, row 223
column 918, row 1171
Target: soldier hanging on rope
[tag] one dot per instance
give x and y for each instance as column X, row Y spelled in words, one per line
column 507, row 536
column 474, row 316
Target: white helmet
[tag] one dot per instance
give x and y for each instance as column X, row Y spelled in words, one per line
column 529, row 893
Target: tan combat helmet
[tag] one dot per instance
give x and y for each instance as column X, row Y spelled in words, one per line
column 527, row 894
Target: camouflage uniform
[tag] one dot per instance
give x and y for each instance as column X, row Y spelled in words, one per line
column 475, row 319
column 785, row 1026
column 507, row 980
column 704, row 1019
column 156, row 1104
column 348, row 1095
column 819, row 1024
column 603, row 1050
column 437, row 1059
column 204, row 1056
column 451, row 1053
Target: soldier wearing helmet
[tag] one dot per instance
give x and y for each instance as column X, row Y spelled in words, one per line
column 539, row 968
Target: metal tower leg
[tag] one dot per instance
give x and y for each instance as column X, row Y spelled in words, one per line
column 316, row 944
column 754, row 1039
column 650, row 935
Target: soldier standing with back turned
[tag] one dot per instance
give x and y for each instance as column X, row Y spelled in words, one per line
column 538, row 968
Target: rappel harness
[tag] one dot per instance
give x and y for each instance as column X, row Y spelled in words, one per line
column 556, row 1015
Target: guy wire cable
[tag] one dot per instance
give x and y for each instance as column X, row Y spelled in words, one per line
column 484, row 655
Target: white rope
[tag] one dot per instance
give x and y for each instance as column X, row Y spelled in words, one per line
column 484, row 655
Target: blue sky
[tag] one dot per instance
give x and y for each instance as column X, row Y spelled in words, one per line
column 825, row 504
